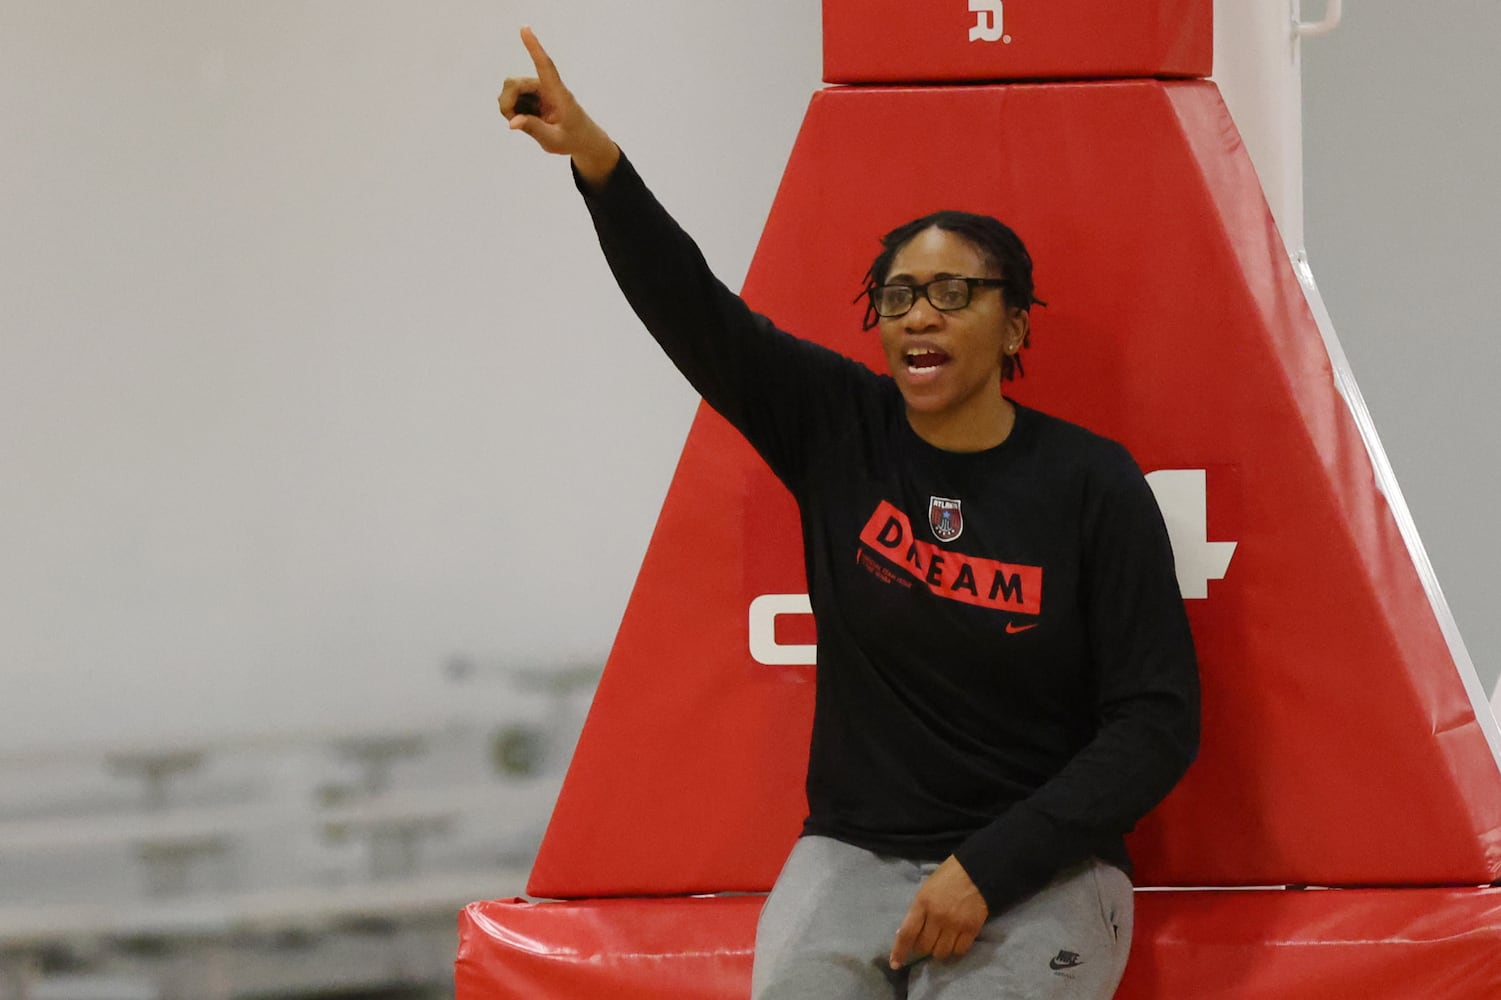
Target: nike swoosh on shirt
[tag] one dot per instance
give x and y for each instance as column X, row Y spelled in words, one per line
column 1012, row 628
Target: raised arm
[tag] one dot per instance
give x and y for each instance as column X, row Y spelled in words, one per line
column 549, row 114
column 776, row 389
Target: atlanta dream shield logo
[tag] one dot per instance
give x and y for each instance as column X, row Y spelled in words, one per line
column 945, row 518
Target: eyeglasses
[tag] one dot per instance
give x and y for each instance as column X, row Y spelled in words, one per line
column 945, row 294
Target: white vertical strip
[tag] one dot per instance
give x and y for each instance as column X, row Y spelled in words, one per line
column 1259, row 72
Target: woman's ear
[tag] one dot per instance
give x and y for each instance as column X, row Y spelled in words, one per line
column 1014, row 335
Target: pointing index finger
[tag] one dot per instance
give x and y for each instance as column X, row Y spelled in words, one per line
column 547, row 71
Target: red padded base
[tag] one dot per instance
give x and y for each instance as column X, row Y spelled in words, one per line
column 1374, row 944
column 683, row 948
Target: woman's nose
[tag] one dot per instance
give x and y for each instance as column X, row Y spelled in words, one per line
column 922, row 315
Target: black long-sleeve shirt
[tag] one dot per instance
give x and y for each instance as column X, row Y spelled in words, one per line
column 1005, row 670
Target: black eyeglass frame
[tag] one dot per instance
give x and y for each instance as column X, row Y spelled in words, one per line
column 873, row 313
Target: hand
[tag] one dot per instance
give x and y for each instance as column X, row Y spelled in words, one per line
column 561, row 126
column 945, row 917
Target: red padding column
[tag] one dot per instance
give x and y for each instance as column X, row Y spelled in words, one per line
column 1340, row 744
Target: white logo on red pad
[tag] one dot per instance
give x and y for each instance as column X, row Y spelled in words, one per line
column 990, row 19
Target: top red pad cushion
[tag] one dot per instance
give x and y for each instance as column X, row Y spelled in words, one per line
column 898, row 41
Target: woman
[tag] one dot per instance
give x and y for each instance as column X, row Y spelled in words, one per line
column 1003, row 691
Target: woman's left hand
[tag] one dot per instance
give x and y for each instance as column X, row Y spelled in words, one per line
column 944, row 919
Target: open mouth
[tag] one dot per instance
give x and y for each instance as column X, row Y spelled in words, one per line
column 921, row 359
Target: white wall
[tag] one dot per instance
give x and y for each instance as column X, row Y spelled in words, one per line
column 310, row 375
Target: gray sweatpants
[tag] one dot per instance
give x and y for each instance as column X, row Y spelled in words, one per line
column 827, row 928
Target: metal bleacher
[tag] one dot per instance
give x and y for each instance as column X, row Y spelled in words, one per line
column 275, row 864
